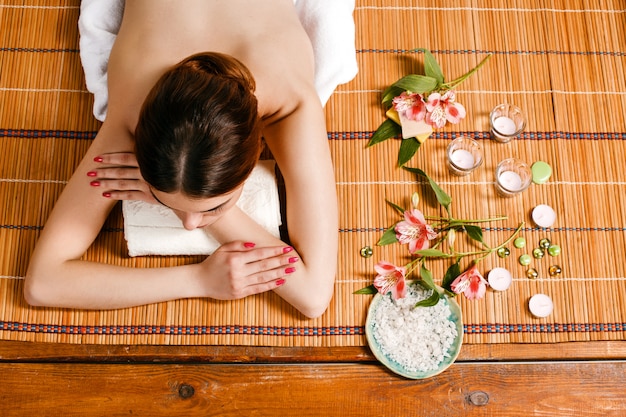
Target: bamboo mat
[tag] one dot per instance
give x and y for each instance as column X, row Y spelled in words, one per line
column 562, row 62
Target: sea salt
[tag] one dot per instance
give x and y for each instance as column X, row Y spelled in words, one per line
column 417, row 338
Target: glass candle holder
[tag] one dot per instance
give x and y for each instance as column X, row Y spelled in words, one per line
column 507, row 122
column 464, row 155
column 512, row 177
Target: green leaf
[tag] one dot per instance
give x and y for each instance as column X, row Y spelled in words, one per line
column 432, row 253
column 443, row 198
column 475, row 232
column 367, row 290
column 451, row 274
column 397, row 207
column 416, row 83
column 431, row 67
column 388, row 237
column 388, row 129
column 389, row 94
column 430, row 301
column 427, row 279
column 408, row 147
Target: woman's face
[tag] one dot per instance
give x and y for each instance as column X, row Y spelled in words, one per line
column 197, row 213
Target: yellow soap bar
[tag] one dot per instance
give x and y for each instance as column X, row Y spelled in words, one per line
column 410, row 128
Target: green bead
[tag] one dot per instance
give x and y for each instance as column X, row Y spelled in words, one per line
column 538, row 253
column 532, row 273
column 554, row 250
column 366, row 251
column 554, row 270
column 544, row 243
column 519, row 243
column 503, row 252
column 524, row 260
column 541, row 172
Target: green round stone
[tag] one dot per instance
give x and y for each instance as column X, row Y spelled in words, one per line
column 544, row 243
column 541, row 172
column 366, row 251
column 519, row 243
column 504, row 252
column 554, row 250
column 538, row 253
column 524, row 260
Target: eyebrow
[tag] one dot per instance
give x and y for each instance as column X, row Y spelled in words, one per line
column 205, row 211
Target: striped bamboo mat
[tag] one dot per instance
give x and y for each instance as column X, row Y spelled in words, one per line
column 562, row 62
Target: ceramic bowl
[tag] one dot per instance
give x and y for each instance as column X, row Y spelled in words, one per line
column 453, row 351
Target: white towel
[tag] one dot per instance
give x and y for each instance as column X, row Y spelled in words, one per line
column 152, row 229
column 328, row 23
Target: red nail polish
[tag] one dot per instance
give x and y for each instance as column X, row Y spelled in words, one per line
column 293, row 260
column 287, row 249
column 98, row 159
column 249, row 245
column 95, row 183
column 92, row 173
column 107, row 195
column 280, row 282
column 290, row 270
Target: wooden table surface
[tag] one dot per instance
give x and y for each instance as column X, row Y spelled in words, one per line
column 564, row 379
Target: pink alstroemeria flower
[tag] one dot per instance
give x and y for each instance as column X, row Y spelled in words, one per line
column 471, row 283
column 415, row 231
column 411, row 105
column 390, row 278
column 443, row 108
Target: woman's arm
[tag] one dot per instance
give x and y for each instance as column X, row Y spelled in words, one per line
column 299, row 144
column 58, row 277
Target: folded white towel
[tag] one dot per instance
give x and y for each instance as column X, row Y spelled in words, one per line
column 152, row 229
column 328, row 23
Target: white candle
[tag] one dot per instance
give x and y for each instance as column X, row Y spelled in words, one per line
column 505, row 125
column 510, row 180
column 499, row 279
column 540, row 305
column 544, row 215
column 463, row 159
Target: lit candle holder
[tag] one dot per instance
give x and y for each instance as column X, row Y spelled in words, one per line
column 464, row 155
column 512, row 177
column 540, row 305
column 507, row 122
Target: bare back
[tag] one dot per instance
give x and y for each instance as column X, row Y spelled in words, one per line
column 156, row 34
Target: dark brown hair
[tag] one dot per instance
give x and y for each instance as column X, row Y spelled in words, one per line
column 199, row 131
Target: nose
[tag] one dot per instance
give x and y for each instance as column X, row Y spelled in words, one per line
column 191, row 220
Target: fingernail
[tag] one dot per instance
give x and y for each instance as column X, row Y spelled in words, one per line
column 95, row 183
column 92, row 173
column 290, row 270
column 293, row 260
column 287, row 249
column 107, row 195
column 98, row 159
column 280, row 282
column 249, row 245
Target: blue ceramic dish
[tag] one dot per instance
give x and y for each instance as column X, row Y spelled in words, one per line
column 453, row 351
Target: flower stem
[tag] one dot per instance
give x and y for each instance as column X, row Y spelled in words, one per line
column 450, row 85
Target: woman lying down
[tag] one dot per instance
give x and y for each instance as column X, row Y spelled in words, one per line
column 183, row 130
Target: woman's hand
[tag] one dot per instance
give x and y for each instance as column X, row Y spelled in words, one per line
column 119, row 178
column 238, row 269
